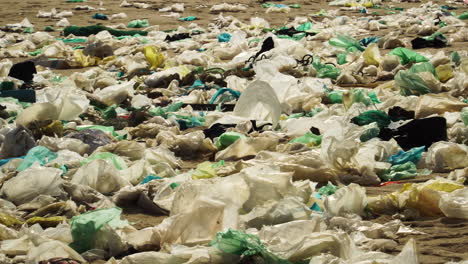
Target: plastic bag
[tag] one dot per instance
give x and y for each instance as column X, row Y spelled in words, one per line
column 228, row 138
column 39, row 154
column 413, row 155
column 52, row 249
column 350, row 199
column 16, row 142
column 101, row 176
column 242, row 244
column 455, row 204
column 115, row 94
column 310, row 139
column 380, row 117
column 464, row 115
column 430, row 104
column 260, row 102
column 400, row 172
column 446, row 156
column 411, row 84
column 110, row 158
column 372, row 55
column 444, row 72
column 32, row 182
column 137, row 23
column 346, row 42
column 407, row 56
column 84, row 228
column 422, row 67
column 154, row 57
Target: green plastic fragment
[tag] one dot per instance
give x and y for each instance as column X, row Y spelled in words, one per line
column 228, row 138
column 400, row 172
column 309, row 138
column 371, row 116
column 328, row 189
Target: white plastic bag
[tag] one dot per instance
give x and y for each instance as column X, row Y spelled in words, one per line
column 350, row 199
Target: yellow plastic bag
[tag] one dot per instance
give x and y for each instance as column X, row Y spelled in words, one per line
column 423, row 197
column 153, row 56
column 46, row 221
column 444, row 72
column 204, row 170
column 84, row 60
column 372, row 55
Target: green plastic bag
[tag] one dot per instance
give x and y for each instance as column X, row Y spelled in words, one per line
column 137, row 23
column 85, row 227
column 325, row 70
column 464, row 116
column 423, row 67
column 115, row 160
column 347, row 42
column 228, row 138
column 411, row 83
column 341, row 58
column 407, row 55
column 399, row 172
column 335, row 97
column 370, row 133
column 242, row 244
column 304, row 27
column 463, row 16
column 309, row 138
column 39, row 154
column 455, row 57
column 380, row 117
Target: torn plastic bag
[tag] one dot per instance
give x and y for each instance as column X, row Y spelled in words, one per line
column 239, row 243
column 85, row 227
column 57, row 144
column 430, row 104
column 100, row 175
column 32, row 182
column 346, row 42
column 82, row 194
column 259, row 102
column 110, row 158
column 407, row 56
column 115, row 94
column 274, row 213
column 455, row 204
column 398, row 172
column 372, row 55
column 15, row 142
column 52, row 249
column 40, row 155
column 212, row 203
column 130, row 149
column 413, row 155
column 411, row 83
column 187, row 145
column 37, row 112
column 305, row 245
column 94, row 138
column 246, row 147
column 381, row 118
column 350, row 199
column 446, row 156
column 304, row 165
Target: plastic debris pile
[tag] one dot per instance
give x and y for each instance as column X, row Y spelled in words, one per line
column 251, row 143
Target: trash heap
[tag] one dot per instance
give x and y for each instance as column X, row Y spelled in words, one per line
column 251, row 143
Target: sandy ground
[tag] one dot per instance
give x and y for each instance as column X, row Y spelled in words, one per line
column 444, row 239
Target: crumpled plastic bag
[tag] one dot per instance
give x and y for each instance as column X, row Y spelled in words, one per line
column 52, row 249
column 101, row 176
column 85, row 227
column 438, row 104
column 446, row 156
column 154, row 57
column 407, row 55
column 246, row 147
column 372, row 55
column 350, row 199
column 40, row 155
column 115, row 94
column 15, row 142
column 455, row 204
column 422, row 197
column 32, row 182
